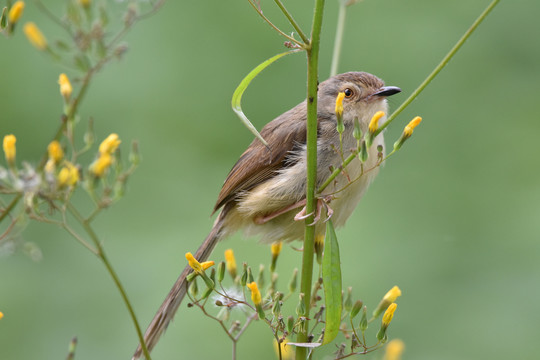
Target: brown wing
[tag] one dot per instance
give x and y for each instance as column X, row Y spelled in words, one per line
column 260, row 163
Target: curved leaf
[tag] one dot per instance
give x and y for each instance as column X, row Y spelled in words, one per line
column 237, row 96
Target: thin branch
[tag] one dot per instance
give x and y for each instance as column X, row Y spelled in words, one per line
column 101, row 253
column 10, row 207
column 259, row 11
column 340, row 27
column 292, row 21
column 439, row 67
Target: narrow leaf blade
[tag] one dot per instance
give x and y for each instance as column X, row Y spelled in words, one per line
column 237, row 96
column 331, row 273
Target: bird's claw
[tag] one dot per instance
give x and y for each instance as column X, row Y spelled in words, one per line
column 320, row 203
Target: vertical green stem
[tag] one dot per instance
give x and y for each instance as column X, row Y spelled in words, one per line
column 340, row 27
column 307, row 255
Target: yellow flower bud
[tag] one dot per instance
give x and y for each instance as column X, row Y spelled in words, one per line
column 339, row 104
column 394, row 349
column 392, row 295
column 276, row 248
column 410, row 127
column 85, row 3
column 68, row 175
column 100, row 166
column 9, row 148
column 55, row 151
column 194, row 264
column 255, row 293
column 35, row 36
column 65, row 86
column 110, row 144
column 374, row 123
column 16, row 12
column 230, row 262
column 389, row 314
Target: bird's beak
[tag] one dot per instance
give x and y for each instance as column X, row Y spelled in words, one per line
column 388, row 91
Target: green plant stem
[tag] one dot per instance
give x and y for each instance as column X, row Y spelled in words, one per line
column 293, row 22
column 101, row 254
column 309, row 237
column 338, row 41
column 439, row 67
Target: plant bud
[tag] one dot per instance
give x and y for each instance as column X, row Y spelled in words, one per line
column 356, row 308
column 290, row 324
column 292, row 283
column 193, row 288
column 221, row 271
column 244, row 278
column 348, row 301
column 364, row 320
column 301, row 307
column 260, row 278
column 249, row 275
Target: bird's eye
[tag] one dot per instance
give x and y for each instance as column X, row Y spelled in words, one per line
column 348, row 92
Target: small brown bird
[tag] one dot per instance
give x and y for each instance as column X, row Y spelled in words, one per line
column 266, row 188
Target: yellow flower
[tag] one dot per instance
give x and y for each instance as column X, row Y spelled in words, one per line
column 1, row 314
column 255, row 293
column 392, row 295
column 68, row 175
column 65, row 86
column 55, row 151
column 374, row 123
column 9, row 148
column 85, row 3
column 394, row 349
column 110, row 144
column 35, row 36
column 16, row 12
column 205, row 265
column 389, row 314
column 230, row 262
column 410, row 127
column 339, row 104
column 100, row 166
column 276, row 248
column 194, row 264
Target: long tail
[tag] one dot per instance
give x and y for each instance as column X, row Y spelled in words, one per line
column 173, row 300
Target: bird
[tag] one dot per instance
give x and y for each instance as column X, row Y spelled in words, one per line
column 266, row 187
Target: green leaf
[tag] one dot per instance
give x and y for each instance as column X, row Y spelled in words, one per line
column 237, row 96
column 331, row 273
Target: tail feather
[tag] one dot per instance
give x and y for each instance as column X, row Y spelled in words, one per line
column 168, row 309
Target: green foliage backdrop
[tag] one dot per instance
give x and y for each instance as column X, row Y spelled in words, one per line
column 452, row 219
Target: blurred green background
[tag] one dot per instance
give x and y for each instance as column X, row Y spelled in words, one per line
column 453, row 219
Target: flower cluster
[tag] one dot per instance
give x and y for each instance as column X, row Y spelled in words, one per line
column 263, row 301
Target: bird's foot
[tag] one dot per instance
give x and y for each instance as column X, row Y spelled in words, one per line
column 323, row 201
